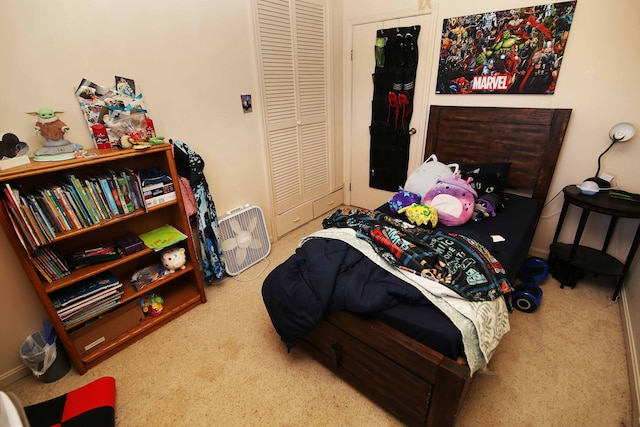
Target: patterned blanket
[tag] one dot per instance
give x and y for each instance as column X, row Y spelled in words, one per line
column 455, row 261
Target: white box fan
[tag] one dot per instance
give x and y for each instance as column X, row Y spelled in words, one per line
column 244, row 238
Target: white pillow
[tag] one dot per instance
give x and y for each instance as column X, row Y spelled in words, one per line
column 428, row 173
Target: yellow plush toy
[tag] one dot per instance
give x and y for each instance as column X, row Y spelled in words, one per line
column 420, row 214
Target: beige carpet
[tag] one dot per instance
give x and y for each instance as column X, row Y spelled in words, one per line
column 222, row 364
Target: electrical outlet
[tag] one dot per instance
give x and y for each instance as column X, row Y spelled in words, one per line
column 606, row 177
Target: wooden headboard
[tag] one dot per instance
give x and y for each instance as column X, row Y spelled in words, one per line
column 529, row 138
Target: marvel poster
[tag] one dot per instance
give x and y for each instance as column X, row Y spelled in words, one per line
column 510, row 51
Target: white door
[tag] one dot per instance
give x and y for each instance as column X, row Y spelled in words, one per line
column 363, row 67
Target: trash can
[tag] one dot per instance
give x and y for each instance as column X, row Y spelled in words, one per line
column 46, row 358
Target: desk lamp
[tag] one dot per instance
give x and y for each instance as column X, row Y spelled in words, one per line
column 618, row 133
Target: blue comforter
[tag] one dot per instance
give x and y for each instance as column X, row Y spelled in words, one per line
column 328, row 274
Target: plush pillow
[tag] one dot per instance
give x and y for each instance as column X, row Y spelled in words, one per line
column 453, row 199
column 489, row 180
column 426, row 176
column 402, row 199
column 487, row 175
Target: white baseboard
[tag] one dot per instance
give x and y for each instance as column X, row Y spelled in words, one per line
column 13, row 375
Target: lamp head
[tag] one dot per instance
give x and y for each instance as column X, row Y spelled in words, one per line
column 622, row 132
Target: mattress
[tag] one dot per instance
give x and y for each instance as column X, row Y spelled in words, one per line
column 512, row 229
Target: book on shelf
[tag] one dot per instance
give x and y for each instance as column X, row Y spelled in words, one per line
column 162, row 237
column 136, row 186
column 50, row 212
column 92, row 256
column 50, row 199
column 95, row 192
column 89, row 302
column 82, row 199
column 18, row 217
column 84, row 289
column 113, row 186
column 49, row 264
column 108, row 194
column 78, row 206
column 63, row 202
column 87, row 298
column 71, row 204
column 93, row 311
column 42, row 219
column 157, row 187
column 122, row 187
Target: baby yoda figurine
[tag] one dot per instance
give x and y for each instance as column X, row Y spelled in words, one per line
column 53, row 130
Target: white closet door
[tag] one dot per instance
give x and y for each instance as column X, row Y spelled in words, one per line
column 293, row 52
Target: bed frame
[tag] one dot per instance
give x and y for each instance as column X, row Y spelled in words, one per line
column 410, row 380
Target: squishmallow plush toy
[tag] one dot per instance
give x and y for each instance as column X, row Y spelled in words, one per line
column 427, row 175
column 402, row 199
column 453, row 199
column 420, row 214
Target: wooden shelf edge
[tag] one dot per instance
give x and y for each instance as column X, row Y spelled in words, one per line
column 150, row 324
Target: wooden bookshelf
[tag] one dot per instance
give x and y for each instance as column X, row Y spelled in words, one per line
column 181, row 291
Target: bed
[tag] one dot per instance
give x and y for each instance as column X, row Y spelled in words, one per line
column 400, row 349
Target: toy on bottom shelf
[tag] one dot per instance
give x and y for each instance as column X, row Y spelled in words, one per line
column 152, row 304
column 174, row 259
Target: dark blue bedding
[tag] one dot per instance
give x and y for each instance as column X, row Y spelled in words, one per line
column 327, row 274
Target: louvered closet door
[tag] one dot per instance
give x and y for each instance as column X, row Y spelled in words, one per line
column 293, row 52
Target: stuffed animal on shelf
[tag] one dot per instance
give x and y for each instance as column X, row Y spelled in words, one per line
column 174, row 259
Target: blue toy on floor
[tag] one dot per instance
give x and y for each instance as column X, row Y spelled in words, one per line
column 527, row 296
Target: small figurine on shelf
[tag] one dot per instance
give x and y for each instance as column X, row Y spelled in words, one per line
column 53, row 130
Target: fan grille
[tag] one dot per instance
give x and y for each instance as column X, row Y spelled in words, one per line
column 244, row 239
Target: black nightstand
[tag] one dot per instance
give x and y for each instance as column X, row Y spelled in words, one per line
column 569, row 261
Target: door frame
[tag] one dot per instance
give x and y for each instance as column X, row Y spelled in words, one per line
column 421, row 124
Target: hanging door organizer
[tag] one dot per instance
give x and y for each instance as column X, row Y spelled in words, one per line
column 396, row 54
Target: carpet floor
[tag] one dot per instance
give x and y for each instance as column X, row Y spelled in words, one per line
column 222, row 364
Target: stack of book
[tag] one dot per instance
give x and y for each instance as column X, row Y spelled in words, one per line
column 87, row 299
column 74, row 203
column 49, row 264
column 34, row 230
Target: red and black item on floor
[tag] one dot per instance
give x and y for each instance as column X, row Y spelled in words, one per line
column 396, row 54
